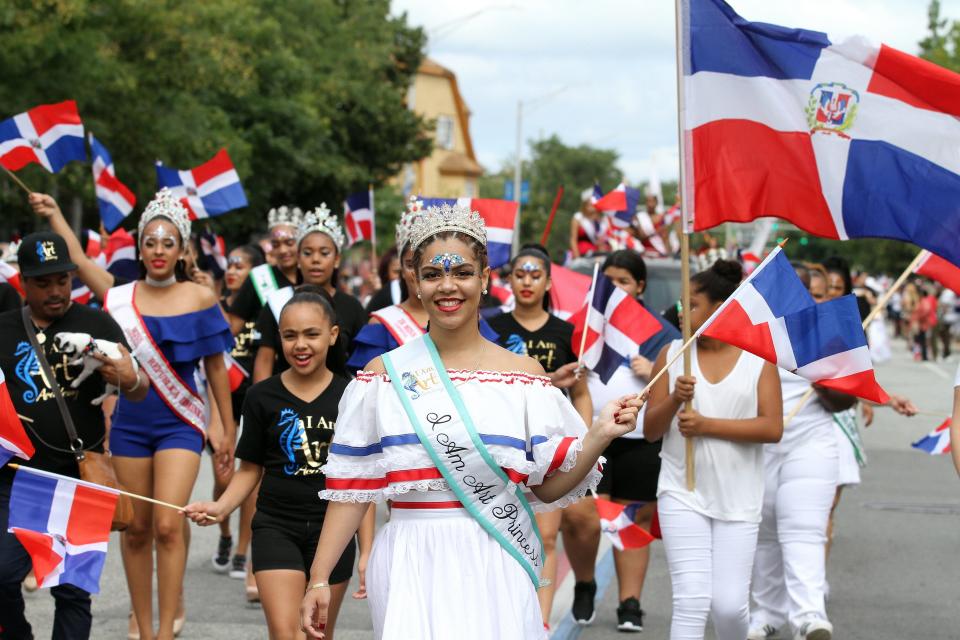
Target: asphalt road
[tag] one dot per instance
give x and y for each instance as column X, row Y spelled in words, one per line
column 893, row 573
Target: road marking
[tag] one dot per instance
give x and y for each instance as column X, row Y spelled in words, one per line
column 567, row 628
column 937, row 370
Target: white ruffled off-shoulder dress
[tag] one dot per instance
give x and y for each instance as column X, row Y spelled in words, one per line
column 434, row 573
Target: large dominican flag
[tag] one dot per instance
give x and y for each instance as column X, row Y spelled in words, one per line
column 499, row 215
column 209, row 190
column 773, row 316
column 844, row 140
column 936, row 268
column 115, row 200
column 50, row 135
column 13, row 439
column 617, row 324
column 64, row 525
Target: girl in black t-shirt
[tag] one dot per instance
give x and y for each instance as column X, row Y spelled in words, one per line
column 530, row 329
column 287, row 425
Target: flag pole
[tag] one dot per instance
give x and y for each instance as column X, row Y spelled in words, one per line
column 553, row 212
column 880, row 306
column 586, row 319
column 17, row 180
column 14, row 465
column 685, row 235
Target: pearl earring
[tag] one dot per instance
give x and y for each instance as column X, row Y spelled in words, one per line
column 418, row 295
column 484, row 292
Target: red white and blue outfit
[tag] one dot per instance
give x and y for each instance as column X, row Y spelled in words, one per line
column 435, row 570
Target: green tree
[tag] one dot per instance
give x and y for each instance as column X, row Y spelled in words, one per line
column 308, row 96
column 942, row 45
column 552, row 164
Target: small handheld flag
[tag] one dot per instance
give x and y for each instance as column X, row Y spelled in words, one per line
column 616, row 522
column 209, row 190
column 115, row 200
column 10, row 275
column 358, row 217
column 50, row 135
column 64, row 524
column 937, row 442
column 13, row 438
column 621, row 203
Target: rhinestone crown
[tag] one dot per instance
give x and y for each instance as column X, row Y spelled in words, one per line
column 445, row 218
column 414, row 209
column 320, row 219
column 290, row 216
column 166, row 205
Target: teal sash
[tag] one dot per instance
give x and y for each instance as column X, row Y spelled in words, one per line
column 446, row 430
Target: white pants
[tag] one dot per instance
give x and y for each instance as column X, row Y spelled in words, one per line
column 789, row 573
column 710, row 563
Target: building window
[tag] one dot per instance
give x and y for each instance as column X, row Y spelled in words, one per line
column 445, row 132
column 470, row 189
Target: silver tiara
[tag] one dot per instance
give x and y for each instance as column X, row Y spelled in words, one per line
column 321, row 220
column 166, row 205
column 414, row 209
column 289, row 216
column 457, row 218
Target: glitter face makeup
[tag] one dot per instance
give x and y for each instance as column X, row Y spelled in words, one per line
column 447, row 261
column 530, row 266
column 236, row 261
column 160, row 232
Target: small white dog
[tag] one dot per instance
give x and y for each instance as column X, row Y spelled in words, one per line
column 81, row 346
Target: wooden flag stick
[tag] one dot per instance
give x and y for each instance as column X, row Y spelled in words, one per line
column 880, row 306
column 373, row 229
column 586, row 319
column 136, row 496
column 25, row 418
column 553, row 213
column 17, row 180
column 687, row 339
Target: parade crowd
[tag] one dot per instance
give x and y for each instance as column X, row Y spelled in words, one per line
column 447, row 397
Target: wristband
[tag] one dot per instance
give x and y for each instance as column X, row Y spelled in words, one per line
column 136, row 386
column 320, row 585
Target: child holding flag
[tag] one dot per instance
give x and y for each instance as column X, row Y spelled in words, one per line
column 710, row 533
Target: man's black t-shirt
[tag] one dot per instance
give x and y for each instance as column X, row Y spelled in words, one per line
column 351, row 317
column 32, row 395
column 9, row 298
column 289, row 439
column 550, row 344
column 247, row 304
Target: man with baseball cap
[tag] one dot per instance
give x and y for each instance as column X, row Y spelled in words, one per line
column 46, row 273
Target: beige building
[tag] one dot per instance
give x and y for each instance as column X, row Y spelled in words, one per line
column 452, row 170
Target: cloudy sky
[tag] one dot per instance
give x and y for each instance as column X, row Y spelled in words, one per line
column 603, row 73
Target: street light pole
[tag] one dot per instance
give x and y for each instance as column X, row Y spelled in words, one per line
column 517, row 177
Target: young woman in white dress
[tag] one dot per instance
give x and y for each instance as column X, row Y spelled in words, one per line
column 710, row 533
column 450, row 427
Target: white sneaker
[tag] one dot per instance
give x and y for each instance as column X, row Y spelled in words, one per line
column 765, row 632
column 814, row 629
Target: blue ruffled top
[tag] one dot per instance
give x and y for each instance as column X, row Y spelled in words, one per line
column 183, row 339
column 374, row 340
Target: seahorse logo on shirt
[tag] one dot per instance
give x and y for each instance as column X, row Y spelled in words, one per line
column 516, row 344
column 26, row 367
column 291, row 438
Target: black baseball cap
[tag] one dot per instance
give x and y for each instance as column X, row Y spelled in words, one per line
column 43, row 254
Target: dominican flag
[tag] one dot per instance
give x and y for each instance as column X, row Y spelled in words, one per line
column 114, row 198
column 50, row 135
column 845, row 140
column 93, row 247
column 214, row 250
column 749, row 260
column 597, row 194
column 9, row 274
column 209, row 190
column 568, row 290
column 13, row 439
column 936, row 268
column 618, row 325
column 773, row 316
column 236, row 374
column 121, row 254
column 358, row 217
column 936, row 442
column 620, row 204
column 499, row 216
column 617, row 523
column 64, row 525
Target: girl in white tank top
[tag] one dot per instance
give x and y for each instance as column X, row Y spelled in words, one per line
column 710, row 533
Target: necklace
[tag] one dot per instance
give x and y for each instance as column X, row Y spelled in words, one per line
column 168, row 282
column 476, row 367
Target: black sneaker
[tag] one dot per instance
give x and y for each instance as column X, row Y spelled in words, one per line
column 630, row 616
column 584, row 594
column 221, row 559
column 238, row 570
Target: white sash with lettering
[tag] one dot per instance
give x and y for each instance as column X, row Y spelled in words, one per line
column 447, row 432
column 264, row 281
column 182, row 400
column 399, row 323
column 277, row 299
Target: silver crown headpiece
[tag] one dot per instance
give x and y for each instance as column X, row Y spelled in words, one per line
column 457, row 218
column 166, row 205
column 290, row 216
column 320, row 219
column 414, row 209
